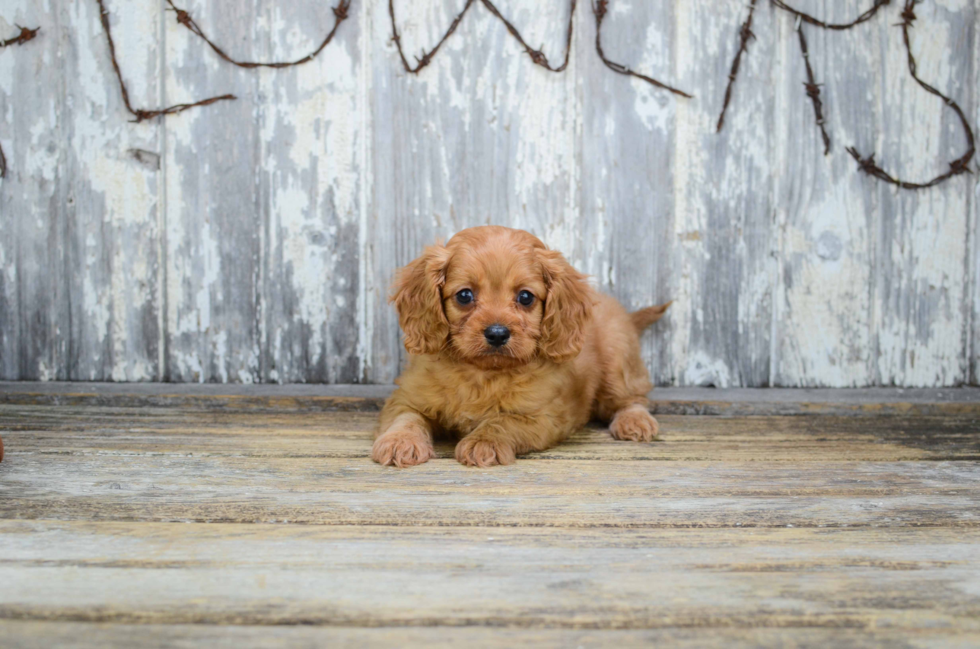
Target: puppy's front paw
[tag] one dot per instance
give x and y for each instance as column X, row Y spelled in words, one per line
column 484, row 451
column 634, row 424
column 402, row 447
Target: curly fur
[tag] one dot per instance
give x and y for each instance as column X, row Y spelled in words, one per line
column 572, row 354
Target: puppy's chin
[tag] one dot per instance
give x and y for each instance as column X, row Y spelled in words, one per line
column 489, row 358
column 494, row 359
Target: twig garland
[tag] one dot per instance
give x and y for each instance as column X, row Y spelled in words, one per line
column 813, row 89
column 536, row 55
column 600, row 8
column 340, row 13
column 25, row 35
column 744, row 35
column 956, row 167
column 142, row 114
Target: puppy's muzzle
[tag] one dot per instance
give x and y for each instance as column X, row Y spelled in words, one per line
column 497, row 335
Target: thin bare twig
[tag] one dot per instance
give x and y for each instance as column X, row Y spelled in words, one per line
column 340, row 13
column 813, row 91
column 21, row 38
column 807, row 18
column 537, row 55
column 142, row 114
column 744, row 35
column 426, row 57
column 600, row 8
column 957, row 166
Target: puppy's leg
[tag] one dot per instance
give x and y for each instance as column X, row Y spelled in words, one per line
column 500, row 440
column 634, row 423
column 404, row 439
column 622, row 401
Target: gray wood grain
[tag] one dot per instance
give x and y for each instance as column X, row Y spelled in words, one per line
column 922, row 304
column 827, row 212
column 254, row 241
column 215, row 216
column 34, row 295
column 628, row 144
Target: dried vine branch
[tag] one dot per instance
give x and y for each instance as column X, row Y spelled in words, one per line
column 600, row 8
column 807, row 18
column 956, row 167
column 142, row 114
column 25, row 35
column 744, row 34
column 426, row 56
column 537, row 56
column 21, row 38
column 340, row 13
column 813, row 90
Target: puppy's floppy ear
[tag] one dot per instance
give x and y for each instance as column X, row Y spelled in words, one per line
column 567, row 308
column 417, row 295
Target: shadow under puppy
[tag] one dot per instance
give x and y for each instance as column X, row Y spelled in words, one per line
column 512, row 350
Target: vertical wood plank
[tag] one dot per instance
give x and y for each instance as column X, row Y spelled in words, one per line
column 217, row 213
column 480, row 136
column 311, row 123
column 34, row 299
column 922, row 307
column 723, row 185
column 114, row 194
column 827, row 213
column 627, row 194
column 974, row 348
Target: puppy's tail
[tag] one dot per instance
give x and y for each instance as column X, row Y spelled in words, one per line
column 646, row 317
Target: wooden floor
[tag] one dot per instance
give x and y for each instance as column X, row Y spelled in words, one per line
column 156, row 517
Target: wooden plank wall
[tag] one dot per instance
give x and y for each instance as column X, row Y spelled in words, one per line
column 253, row 241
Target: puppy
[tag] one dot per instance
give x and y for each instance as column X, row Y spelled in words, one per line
column 512, row 351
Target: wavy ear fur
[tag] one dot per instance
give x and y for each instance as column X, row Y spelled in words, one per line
column 567, row 308
column 417, row 295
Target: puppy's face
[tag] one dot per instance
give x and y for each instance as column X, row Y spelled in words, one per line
column 493, row 297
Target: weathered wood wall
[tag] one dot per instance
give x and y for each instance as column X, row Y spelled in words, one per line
column 253, row 241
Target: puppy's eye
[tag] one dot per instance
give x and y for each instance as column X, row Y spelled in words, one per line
column 526, row 298
column 465, row 296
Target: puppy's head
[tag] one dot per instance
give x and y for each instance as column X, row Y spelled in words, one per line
column 493, row 297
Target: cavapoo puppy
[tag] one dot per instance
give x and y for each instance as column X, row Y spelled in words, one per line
column 511, row 350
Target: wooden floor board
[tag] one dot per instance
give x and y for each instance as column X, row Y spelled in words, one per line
column 149, row 523
column 566, row 578
column 31, row 634
column 71, row 430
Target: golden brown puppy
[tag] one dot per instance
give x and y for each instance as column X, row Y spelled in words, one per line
column 512, row 351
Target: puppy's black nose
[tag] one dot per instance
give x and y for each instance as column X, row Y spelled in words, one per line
column 497, row 335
